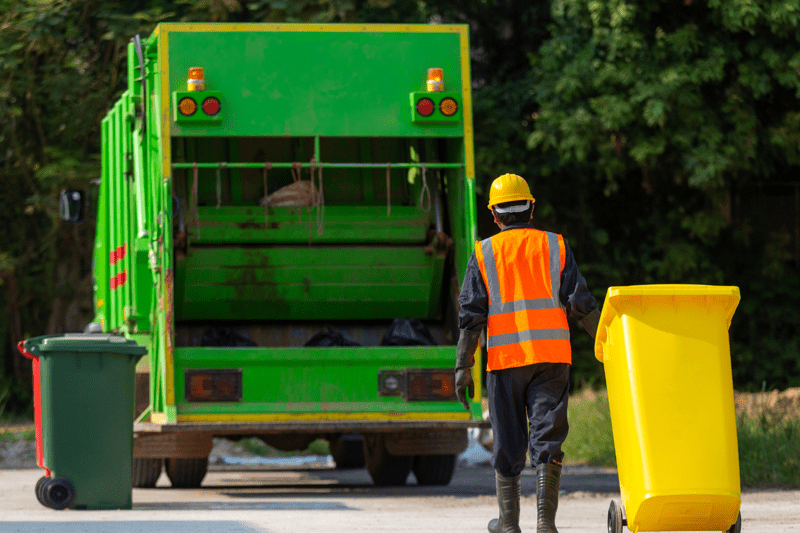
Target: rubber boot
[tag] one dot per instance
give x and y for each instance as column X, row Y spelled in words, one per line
column 548, row 481
column 508, row 491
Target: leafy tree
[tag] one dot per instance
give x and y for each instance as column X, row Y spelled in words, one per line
column 61, row 63
column 666, row 118
column 661, row 139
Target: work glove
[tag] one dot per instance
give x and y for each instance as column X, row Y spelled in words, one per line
column 465, row 359
column 590, row 322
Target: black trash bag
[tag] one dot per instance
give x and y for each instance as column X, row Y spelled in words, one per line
column 408, row 332
column 331, row 338
column 222, row 337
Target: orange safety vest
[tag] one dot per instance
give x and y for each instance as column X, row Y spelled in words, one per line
column 527, row 323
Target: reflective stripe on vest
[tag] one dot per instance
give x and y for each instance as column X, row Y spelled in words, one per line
column 529, row 325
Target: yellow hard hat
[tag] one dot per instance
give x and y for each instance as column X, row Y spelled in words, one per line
column 509, row 188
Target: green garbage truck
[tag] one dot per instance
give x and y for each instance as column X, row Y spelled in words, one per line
column 284, row 216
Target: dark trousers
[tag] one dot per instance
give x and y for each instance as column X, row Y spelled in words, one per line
column 528, row 410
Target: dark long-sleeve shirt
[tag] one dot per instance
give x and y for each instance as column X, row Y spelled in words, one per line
column 474, row 298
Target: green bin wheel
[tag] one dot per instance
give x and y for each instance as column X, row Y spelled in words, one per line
column 58, row 493
column 186, row 473
column 615, row 517
column 737, row 527
column 39, row 487
column 146, row 472
column 434, row 469
column 384, row 468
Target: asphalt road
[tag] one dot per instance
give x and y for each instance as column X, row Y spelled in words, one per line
column 236, row 499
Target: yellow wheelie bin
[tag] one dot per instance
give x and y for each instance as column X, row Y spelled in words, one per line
column 666, row 357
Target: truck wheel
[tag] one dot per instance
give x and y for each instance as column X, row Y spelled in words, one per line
column 186, row 473
column 146, row 472
column 434, row 469
column 348, row 451
column 384, row 468
column 58, row 493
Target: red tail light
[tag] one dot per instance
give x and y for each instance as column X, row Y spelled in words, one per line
column 211, row 106
column 425, row 384
column 425, row 107
column 214, row 385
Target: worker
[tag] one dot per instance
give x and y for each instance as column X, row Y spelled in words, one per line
column 522, row 284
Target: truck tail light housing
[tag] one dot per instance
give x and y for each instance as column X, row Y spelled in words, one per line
column 214, row 385
column 198, row 108
column 424, row 384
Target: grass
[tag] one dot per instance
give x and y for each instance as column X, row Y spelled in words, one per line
column 769, row 450
column 257, row 446
column 769, row 441
column 590, row 440
column 13, row 436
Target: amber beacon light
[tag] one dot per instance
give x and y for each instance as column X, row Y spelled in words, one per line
column 435, row 80
column 196, row 82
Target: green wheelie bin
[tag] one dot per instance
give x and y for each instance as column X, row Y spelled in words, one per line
column 84, row 405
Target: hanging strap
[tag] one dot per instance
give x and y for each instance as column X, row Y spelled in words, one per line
column 296, row 168
column 195, row 210
column 219, row 183
column 425, row 193
column 319, row 199
column 267, row 166
column 388, row 191
column 312, row 166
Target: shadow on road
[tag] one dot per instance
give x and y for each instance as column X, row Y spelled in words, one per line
column 248, row 484
column 131, row 526
column 243, row 506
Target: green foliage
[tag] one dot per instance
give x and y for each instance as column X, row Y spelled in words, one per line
column 13, row 436
column 650, row 132
column 768, row 445
column 768, row 441
column 662, row 118
column 590, row 439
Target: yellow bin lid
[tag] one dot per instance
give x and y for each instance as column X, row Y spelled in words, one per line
column 625, row 300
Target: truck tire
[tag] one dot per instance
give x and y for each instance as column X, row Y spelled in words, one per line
column 384, row 468
column 434, row 469
column 347, row 451
column 186, row 473
column 146, row 472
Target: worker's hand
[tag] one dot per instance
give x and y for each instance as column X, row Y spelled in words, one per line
column 468, row 342
column 590, row 322
column 464, row 386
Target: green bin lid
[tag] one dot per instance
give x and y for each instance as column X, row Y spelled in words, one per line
column 83, row 342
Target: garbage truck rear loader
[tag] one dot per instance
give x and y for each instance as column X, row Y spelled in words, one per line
column 273, row 197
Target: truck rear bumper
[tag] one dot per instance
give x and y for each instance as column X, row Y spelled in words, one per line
column 306, row 426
